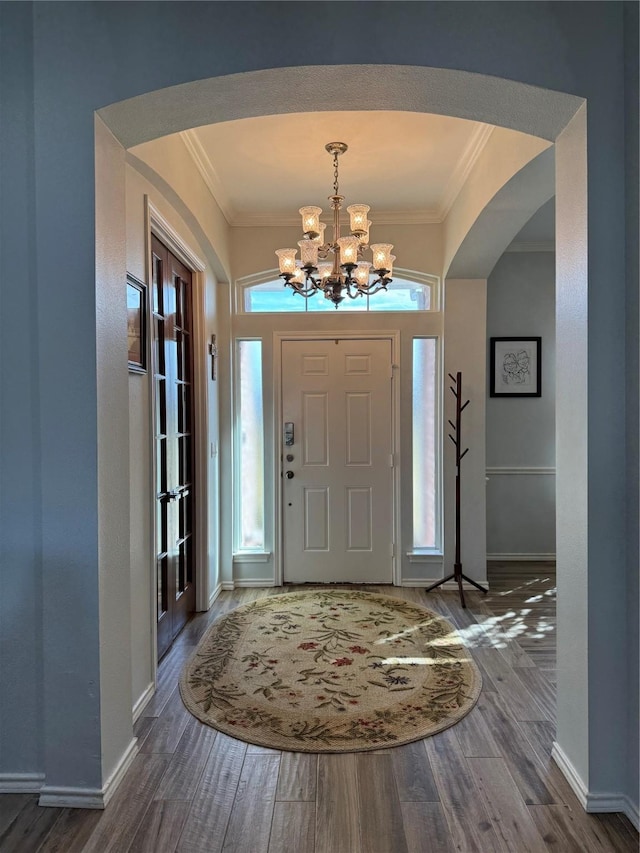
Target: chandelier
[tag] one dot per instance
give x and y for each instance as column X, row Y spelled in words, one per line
column 335, row 268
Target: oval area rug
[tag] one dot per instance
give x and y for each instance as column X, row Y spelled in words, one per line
column 330, row 671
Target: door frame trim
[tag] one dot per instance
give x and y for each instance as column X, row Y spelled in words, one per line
column 279, row 338
column 156, row 224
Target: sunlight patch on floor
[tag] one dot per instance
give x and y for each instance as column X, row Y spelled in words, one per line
column 497, row 631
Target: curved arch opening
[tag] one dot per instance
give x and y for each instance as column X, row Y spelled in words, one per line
column 552, row 116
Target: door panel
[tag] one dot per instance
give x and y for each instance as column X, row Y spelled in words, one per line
column 315, row 412
column 338, row 505
column 359, row 519
column 172, row 367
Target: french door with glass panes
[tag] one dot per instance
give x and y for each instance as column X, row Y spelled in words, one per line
column 172, row 375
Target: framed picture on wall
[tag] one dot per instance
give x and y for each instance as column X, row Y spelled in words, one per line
column 515, row 367
column 136, row 324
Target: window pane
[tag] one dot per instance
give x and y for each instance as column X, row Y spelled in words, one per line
column 272, row 296
column 402, row 295
column 251, row 449
column 424, row 443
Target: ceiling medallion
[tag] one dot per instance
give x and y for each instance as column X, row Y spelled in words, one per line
column 335, row 268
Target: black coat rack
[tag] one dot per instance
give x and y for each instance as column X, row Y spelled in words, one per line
column 456, row 438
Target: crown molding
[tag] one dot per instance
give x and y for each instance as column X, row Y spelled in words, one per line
column 542, row 246
column 467, row 161
column 380, row 217
column 209, row 175
column 407, row 217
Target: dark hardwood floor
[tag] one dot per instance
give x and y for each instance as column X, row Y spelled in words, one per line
column 486, row 784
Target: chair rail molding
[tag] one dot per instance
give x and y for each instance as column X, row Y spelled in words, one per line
column 519, row 470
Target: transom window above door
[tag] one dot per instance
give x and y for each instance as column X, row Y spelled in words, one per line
column 265, row 294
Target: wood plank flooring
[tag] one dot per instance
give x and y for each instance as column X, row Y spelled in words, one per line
column 486, row 784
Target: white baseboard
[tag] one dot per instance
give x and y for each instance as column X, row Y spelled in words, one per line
column 71, row 798
column 255, row 582
column 216, row 592
column 632, row 812
column 21, row 783
column 449, row 586
column 139, row 707
column 532, row 558
column 594, row 802
column 227, row 586
column 90, row 798
column 571, row 774
column 110, row 786
column 618, row 803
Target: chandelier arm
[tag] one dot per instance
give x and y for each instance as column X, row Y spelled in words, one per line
column 375, row 286
column 302, row 291
column 356, row 292
column 309, row 288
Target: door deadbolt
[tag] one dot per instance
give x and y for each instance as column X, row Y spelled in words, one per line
column 288, row 434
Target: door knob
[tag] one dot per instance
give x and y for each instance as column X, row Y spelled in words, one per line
column 289, row 475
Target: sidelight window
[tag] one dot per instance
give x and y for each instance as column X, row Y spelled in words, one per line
column 424, row 444
column 250, row 448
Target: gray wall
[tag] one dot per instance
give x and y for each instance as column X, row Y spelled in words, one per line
column 20, row 542
column 50, row 435
column 633, row 386
column 521, row 431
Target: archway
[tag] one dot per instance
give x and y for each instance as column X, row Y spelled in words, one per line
column 554, row 116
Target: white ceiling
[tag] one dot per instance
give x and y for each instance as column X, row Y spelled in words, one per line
column 408, row 166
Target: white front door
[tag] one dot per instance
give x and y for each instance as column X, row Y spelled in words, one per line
column 337, row 472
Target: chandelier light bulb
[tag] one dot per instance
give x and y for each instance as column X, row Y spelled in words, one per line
column 348, row 250
column 319, row 240
column 364, row 237
column 390, row 267
column 311, row 221
column 361, row 273
column 381, row 255
column 287, row 260
column 358, row 214
column 299, row 276
column 308, row 252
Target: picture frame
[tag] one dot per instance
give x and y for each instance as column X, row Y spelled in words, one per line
column 137, row 324
column 515, row 367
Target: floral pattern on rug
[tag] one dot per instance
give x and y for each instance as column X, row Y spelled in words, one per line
column 330, row 671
